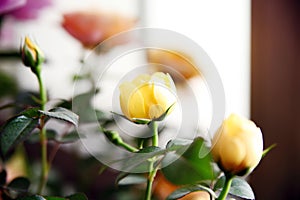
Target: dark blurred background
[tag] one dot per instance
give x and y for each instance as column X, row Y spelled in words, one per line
column 275, row 98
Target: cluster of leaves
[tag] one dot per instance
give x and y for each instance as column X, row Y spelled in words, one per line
column 22, row 127
column 184, row 163
column 188, row 164
column 19, row 188
column 19, row 128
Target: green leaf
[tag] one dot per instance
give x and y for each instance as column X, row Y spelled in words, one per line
column 84, row 101
column 188, row 189
column 150, row 149
column 103, row 117
column 121, row 176
column 16, row 130
column 55, row 198
column 77, row 196
column 102, row 169
column 54, row 136
column 34, row 197
column 139, row 161
column 193, row 166
column 69, row 138
column 219, row 184
column 8, row 84
column 67, row 104
column 89, row 113
column 239, row 187
column 19, row 184
column 50, row 133
column 178, row 144
column 62, row 114
column 31, row 113
column 130, row 179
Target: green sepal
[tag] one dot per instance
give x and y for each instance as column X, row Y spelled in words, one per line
column 32, row 56
column 163, row 116
column 144, row 121
column 267, row 150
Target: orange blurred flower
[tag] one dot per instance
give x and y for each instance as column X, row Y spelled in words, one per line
column 179, row 62
column 162, row 188
column 199, row 195
column 91, row 28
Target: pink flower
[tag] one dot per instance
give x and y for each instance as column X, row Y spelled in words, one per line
column 30, row 10
column 8, row 5
column 91, row 28
column 23, row 9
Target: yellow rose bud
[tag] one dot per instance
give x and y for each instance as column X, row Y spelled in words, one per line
column 238, row 145
column 31, row 54
column 147, row 97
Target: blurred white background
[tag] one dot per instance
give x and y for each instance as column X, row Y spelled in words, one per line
column 221, row 28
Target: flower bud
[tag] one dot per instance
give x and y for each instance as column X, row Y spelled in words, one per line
column 31, row 54
column 237, row 146
column 147, row 97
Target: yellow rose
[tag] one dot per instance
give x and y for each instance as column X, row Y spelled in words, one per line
column 238, row 145
column 147, row 97
column 32, row 56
